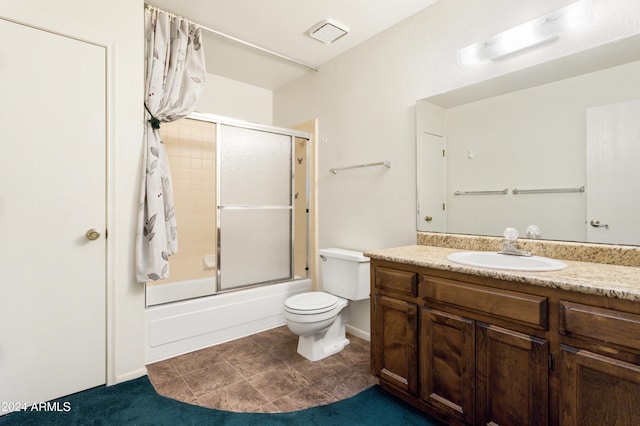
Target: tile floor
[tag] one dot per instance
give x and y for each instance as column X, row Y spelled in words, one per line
column 263, row 373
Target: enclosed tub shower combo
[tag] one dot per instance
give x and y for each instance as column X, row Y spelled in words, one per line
column 242, row 202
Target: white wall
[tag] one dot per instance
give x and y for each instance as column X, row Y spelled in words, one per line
column 118, row 24
column 365, row 99
column 234, row 99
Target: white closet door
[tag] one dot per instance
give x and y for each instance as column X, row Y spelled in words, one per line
column 52, row 191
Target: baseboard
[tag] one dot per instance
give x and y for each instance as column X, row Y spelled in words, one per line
column 129, row 376
column 358, row 333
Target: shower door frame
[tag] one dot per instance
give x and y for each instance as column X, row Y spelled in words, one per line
column 293, row 134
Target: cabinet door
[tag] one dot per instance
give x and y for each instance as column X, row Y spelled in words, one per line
column 512, row 376
column 394, row 343
column 598, row 390
column 447, row 368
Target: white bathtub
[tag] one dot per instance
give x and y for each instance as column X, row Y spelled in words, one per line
column 177, row 328
column 183, row 290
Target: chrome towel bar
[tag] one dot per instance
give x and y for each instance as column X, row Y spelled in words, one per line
column 547, row 191
column 498, row 192
column 387, row 164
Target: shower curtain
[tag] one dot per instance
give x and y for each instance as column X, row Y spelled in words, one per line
column 174, row 78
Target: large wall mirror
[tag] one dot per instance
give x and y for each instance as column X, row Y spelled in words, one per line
column 556, row 146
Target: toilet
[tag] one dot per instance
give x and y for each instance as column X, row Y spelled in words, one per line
column 319, row 317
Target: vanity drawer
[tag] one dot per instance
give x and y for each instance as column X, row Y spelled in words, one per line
column 517, row 306
column 398, row 281
column 606, row 325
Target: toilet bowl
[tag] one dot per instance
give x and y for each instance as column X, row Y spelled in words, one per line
column 319, row 317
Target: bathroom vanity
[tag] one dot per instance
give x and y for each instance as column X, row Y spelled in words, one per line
column 480, row 346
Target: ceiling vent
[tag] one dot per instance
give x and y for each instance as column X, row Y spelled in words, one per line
column 328, row 31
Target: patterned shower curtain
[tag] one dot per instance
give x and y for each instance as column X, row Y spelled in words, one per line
column 174, row 77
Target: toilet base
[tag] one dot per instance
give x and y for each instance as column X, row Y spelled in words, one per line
column 325, row 343
column 314, row 352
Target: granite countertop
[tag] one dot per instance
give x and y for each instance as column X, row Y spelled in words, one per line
column 621, row 282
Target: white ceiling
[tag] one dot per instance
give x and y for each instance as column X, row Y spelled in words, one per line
column 281, row 26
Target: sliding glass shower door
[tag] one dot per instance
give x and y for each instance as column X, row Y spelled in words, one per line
column 255, row 207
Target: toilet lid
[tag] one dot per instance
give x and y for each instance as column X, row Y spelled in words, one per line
column 316, row 301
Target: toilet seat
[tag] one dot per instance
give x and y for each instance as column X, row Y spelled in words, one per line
column 311, row 303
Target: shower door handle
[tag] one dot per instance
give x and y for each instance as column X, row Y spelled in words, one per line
column 92, row 234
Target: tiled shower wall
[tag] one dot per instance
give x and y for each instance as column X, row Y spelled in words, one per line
column 191, row 150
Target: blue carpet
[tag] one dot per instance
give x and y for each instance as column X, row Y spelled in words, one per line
column 136, row 403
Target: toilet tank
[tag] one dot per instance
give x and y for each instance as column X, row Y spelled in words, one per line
column 344, row 273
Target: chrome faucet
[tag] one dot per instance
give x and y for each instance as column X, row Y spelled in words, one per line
column 510, row 244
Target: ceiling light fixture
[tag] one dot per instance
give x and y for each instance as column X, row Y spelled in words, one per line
column 532, row 33
column 328, row 31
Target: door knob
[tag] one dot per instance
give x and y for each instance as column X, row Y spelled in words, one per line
column 596, row 224
column 428, row 218
column 92, row 234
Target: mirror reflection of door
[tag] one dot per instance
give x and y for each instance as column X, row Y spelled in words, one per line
column 613, row 187
column 432, row 183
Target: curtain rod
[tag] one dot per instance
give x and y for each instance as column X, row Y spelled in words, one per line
column 239, row 41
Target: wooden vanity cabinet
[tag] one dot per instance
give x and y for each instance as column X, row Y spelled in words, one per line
column 472, row 350
column 447, row 363
column 512, row 377
column 508, row 371
column 395, row 324
column 598, row 390
column 600, row 365
column 474, row 371
column 396, row 343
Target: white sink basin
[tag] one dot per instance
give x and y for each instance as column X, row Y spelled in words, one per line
column 492, row 260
